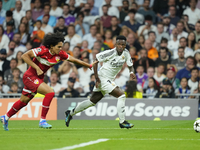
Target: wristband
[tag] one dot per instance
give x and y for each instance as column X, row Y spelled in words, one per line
column 90, row 65
column 131, row 72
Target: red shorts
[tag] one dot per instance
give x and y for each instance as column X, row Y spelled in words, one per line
column 31, row 84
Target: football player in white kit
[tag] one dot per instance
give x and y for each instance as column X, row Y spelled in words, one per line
column 113, row 61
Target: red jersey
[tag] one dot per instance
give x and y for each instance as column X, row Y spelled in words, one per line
column 45, row 60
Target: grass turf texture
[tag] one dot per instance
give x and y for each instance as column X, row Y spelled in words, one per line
column 146, row 135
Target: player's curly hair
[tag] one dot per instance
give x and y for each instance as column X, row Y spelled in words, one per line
column 52, row 39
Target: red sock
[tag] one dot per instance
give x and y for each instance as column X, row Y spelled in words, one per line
column 46, row 103
column 15, row 108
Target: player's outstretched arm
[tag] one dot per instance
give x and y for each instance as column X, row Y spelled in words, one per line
column 132, row 75
column 27, row 58
column 82, row 63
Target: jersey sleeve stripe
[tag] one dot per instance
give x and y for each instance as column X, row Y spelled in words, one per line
column 34, row 52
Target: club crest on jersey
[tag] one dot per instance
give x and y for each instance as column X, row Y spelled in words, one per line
column 39, row 49
column 57, row 58
column 36, row 81
column 123, row 57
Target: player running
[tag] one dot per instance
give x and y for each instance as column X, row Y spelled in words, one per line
column 113, row 61
column 44, row 57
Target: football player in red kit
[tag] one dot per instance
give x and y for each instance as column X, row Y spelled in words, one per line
column 44, row 57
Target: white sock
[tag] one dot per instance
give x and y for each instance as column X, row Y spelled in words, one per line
column 42, row 119
column 82, row 106
column 6, row 117
column 121, row 108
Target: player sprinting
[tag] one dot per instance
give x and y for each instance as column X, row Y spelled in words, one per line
column 113, row 61
column 44, row 57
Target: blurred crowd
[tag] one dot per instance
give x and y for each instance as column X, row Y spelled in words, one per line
column 163, row 38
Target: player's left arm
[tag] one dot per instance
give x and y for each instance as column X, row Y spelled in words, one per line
column 132, row 75
column 82, row 63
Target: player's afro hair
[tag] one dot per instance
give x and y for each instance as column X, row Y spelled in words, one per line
column 52, row 39
column 121, row 37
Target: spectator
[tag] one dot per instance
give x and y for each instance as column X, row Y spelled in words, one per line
column 172, row 14
column 9, row 17
column 192, row 12
column 182, row 5
column 141, row 40
column 197, row 31
column 52, row 19
column 4, row 63
column 23, row 31
column 37, row 10
column 45, row 27
column 81, row 27
column 18, row 46
column 152, row 38
column 55, row 10
column 181, row 60
column 191, row 40
column 160, row 8
column 145, row 10
column 171, row 76
column 61, row 26
column 20, row 62
column 138, row 17
column 28, row 25
column 132, row 90
column 90, row 37
column 185, row 72
column 108, row 39
column 4, row 40
column 114, row 26
column 91, row 85
column 168, row 27
column 69, row 19
column 184, row 89
column 124, row 12
column 3, row 87
column 26, row 4
column 131, row 40
column 160, row 33
column 106, row 19
column 197, row 57
column 38, row 35
column 131, row 23
column 69, row 91
column 18, row 13
column 174, row 42
column 140, row 75
column 84, row 75
column 164, row 58
column 194, row 80
column 152, row 88
column 84, row 47
column 98, row 44
column 54, row 82
column 144, row 29
column 2, row 11
column 65, row 69
column 187, row 26
column 152, row 51
column 188, row 51
column 10, row 50
column 181, row 33
column 159, row 75
column 8, row 5
column 14, row 89
column 150, row 73
column 166, row 91
column 144, row 61
column 9, row 29
column 133, row 53
column 72, row 9
column 16, row 78
column 72, row 37
column 112, row 10
column 94, row 11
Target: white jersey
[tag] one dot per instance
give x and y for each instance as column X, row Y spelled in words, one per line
column 112, row 62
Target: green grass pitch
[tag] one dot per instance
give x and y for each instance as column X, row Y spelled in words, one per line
column 145, row 135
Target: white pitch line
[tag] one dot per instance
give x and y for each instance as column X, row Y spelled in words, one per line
column 154, row 139
column 106, row 128
column 82, row 144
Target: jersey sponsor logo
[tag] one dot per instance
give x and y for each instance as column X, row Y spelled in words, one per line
column 36, row 81
column 116, row 64
column 57, row 58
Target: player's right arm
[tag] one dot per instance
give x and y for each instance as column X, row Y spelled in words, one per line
column 95, row 66
column 27, row 58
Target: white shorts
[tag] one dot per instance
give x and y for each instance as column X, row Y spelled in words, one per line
column 106, row 86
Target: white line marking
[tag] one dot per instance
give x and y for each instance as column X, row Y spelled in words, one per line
column 105, row 128
column 154, row 139
column 82, row 144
